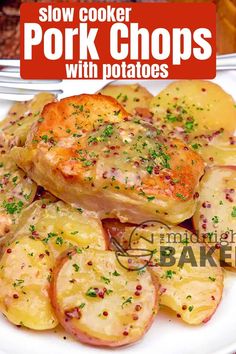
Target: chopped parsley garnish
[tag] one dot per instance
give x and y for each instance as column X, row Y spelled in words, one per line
column 172, row 118
column 59, row 240
column 74, row 232
column 150, row 198
column 215, row 219
column 18, row 282
column 91, row 292
column 116, row 113
column 12, row 208
column 80, row 107
column 31, row 228
column 116, row 274
column 233, row 214
column 189, row 126
column 44, row 138
column 106, row 280
column 185, row 242
column 108, row 131
column 196, row 146
column 87, row 163
column 180, row 196
column 92, row 139
column 169, row 274
column 50, row 235
column 127, row 301
column 149, row 169
column 14, row 179
column 212, row 279
column 76, row 267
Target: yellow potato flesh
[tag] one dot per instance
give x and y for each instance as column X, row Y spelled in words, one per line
column 221, row 150
column 191, row 290
column 195, row 106
column 21, row 116
column 202, row 114
column 16, row 192
column 60, row 226
column 215, row 216
column 129, row 96
column 25, row 271
column 109, row 310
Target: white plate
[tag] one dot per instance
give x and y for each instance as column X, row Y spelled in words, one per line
column 168, row 335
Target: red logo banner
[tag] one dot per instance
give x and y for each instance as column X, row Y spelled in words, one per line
column 118, row 41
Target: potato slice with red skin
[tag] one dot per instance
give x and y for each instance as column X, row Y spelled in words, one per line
column 100, row 302
column 215, row 216
column 25, row 272
column 192, row 290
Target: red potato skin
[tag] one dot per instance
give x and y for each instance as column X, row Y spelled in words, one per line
column 195, row 230
column 207, row 319
column 230, row 167
column 115, row 228
column 79, row 335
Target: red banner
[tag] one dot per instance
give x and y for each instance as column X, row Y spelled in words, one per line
column 118, row 41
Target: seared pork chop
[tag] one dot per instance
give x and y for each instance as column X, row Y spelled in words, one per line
column 90, row 153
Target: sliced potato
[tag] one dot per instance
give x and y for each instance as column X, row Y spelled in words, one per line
column 115, row 231
column 100, row 302
column 193, row 290
column 131, row 97
column 215, row 216
column 60, row 226
column 194, row 107
column 21, row 116
column 16, row 192
column 217, row 150
column 25, row 272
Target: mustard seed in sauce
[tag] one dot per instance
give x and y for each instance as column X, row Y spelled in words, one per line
column 138, row 307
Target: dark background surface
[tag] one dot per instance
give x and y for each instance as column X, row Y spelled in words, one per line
column 10, row 17
column 9, row 24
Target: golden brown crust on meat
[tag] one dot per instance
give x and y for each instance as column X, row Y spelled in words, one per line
column 79, row 114
column 87, row 151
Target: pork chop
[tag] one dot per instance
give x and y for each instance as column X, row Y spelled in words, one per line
column 89, row 152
